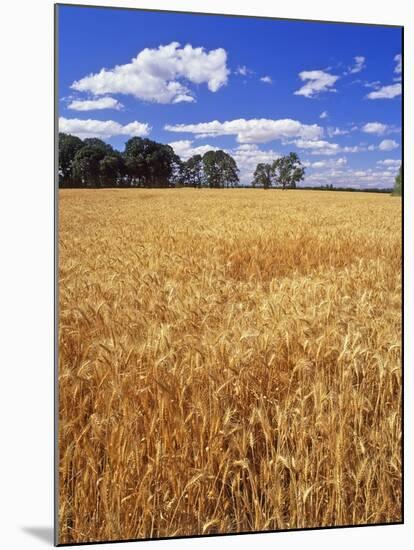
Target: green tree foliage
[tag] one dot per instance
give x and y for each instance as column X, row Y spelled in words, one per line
column 86, row 167
column 98, row 144
column 263, row 175
column 135, row 160
column 229, row 168
column 112, row 170
column 211, row 169
column 163, row 165
column 144, row 163
column 398, row 183
column 150, row 164
column 220, row 169
column 288, row 171
column 285, row 172
column 192, row 171
column 68, row 147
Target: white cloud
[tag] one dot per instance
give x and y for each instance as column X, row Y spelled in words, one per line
column 350, row 177
column 358, row 66
column 387, row 145
column 184, row 148
column 374, row 128
column 101, row 128
column 154, row 74
column 316, row 82
column 329, row 163
column 318, row 147
column 252, row 130
column 105, row 102
column 248, row 156
column 393, row 163
column 353, row 149
column 386, row 92
column 335, row 131
column 324, row 114
column 375, row 84
column 322, row 147
column 390, row 90
column 398, row 61
column 266, row 79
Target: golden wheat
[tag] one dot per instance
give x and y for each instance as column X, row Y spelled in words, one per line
column 229, row 360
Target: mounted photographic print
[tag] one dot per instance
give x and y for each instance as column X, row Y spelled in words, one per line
column 229, row 274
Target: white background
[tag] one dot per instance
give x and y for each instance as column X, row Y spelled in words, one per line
column 26, row 270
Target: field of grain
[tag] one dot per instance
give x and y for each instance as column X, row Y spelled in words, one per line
column 229, row 360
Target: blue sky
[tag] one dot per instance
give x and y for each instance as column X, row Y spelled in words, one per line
column 257, row 88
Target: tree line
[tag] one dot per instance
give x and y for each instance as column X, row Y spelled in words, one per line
column 145, row 163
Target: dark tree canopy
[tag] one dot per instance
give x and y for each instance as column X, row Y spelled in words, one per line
column 68, row 147
column 288, row 171
column 148, row 163
column 230, row 170
column 263, row 175
column 220, row 169
column 192, row 173
column 211, row 169
column 86, row 166
column 98, row 144
column 112, row 170
column 285, row 172
column 143, row 163
column 134, row 155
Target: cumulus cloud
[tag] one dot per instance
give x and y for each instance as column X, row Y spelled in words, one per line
column 105, row 102
column 157, row 75
column 386, row 92
column 387, row 145
column 248, row 156
column 329, row 163
column 102, row 128
column 252, row 130
column 324, row 114
column 354, row 148
column 393, row 163
column 333, row 131
column 318, row 147
column 322, row 147
column 358, row 66
column 266, row 79
column 184, row 148
column 350, row 177
column 315, row 83
column 374, row 128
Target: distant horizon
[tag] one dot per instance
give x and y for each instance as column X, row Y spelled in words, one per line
column 334, row 97
column 246, row 184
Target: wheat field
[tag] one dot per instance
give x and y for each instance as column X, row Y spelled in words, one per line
column 229, row 361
